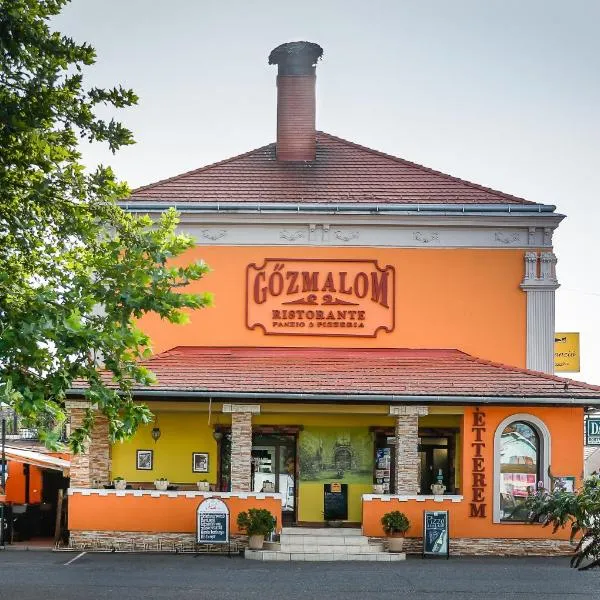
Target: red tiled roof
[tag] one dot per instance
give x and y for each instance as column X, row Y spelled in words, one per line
column 403, row 372
column 342, row 172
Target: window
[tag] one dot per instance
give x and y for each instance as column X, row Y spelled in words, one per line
column 522, row 450
column 519, row 469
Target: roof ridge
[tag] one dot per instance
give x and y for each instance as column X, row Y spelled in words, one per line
column 525, row 371
column 428, row 169
column 200, row 169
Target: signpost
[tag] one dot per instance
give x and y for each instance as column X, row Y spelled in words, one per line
column 436, row 540
column 212, row 523
column 592, row 432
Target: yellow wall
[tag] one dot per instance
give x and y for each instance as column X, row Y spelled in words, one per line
column 185, row 429
column 181, row 435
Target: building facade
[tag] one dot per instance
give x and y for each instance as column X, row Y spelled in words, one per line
column 379, row 328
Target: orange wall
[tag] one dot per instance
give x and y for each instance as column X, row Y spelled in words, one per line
column 461, row 525
column 15, row 484
column 154, row 514
column 566, row 440
column 460, row 298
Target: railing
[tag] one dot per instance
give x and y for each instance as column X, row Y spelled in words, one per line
column 16, row 431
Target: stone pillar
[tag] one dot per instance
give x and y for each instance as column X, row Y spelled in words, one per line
column 407, row 447
column 540, row 285
column 241, row 444
column 93, row 464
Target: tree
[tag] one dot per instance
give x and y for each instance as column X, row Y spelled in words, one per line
column 578, row 510
column 76, row 271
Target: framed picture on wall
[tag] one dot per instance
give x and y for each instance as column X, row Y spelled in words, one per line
column 566, row 483
column 144, row 460
column 200, row 462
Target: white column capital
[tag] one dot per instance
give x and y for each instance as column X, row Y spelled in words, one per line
column 406, row 410
column 253, row 409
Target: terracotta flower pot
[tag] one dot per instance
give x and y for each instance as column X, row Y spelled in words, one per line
column 255, row 542
column 396, row 543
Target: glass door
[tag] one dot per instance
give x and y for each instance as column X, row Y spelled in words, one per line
column 274, row 469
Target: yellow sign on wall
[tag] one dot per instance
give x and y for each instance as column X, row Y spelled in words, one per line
column 566, row 352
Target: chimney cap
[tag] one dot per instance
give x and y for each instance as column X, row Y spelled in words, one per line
column 296, row 58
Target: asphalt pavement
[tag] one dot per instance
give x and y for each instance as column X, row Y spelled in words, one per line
column 70, row 576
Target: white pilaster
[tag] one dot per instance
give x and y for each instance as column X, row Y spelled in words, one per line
column 540, row 284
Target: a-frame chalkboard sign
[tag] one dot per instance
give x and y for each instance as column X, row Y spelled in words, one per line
column 436, row 537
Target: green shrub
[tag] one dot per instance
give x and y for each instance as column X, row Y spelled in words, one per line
column 395, row 522
column 257, row 521
column 580, row 510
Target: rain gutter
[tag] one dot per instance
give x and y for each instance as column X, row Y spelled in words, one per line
column 358, row 398
column 348, row 207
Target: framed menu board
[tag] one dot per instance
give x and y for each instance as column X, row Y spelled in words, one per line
column 436, row 539
column 212, row 522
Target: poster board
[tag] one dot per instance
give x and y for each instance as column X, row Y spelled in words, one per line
column 436, row 539
column 212, row 522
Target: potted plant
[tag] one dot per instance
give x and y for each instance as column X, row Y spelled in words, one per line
column 120, row 483
column 395, row 524
column 203, row 485
column 161, row 484
column 256, row 523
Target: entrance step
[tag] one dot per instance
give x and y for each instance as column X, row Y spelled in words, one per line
column 326, row 556
column 331, row 544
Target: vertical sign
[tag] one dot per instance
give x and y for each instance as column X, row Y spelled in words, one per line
column 478, row 481
column 566, row 352
column 436, row 533
column 212, row 518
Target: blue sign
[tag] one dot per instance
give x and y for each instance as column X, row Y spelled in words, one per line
column 592, row 432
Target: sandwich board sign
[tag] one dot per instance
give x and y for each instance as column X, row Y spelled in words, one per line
column 212, row 518
column 435, row 533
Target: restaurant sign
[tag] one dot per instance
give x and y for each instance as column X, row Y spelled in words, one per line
column 592, row 432
column 320, row 297
column 566, row 352
column 212, row 522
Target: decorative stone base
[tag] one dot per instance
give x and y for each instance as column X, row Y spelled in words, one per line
column 139, row 541
column 497, row 547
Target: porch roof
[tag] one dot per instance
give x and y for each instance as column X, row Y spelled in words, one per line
column 355, row 375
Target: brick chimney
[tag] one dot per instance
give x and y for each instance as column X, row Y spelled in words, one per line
column 296, row 62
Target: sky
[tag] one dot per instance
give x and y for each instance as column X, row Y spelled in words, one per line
column 504, row 93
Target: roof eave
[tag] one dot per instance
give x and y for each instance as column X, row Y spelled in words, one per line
column 341, row 207
column 357, row 398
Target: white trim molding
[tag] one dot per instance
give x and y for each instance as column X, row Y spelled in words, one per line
column 412, row 498
column 528, row 231
column 540, row 285
column 545, row 453
column 172, row 494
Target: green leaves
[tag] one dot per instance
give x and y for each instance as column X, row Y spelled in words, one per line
column 77, row 271
column 580, row 510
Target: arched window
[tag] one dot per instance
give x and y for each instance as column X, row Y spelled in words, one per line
column 522, row 450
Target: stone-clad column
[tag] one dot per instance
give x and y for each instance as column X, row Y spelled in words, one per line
column 93, row 464
column 241, row 444
column 407, row 447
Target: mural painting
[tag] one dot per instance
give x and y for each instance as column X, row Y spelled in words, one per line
column 328, row 454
